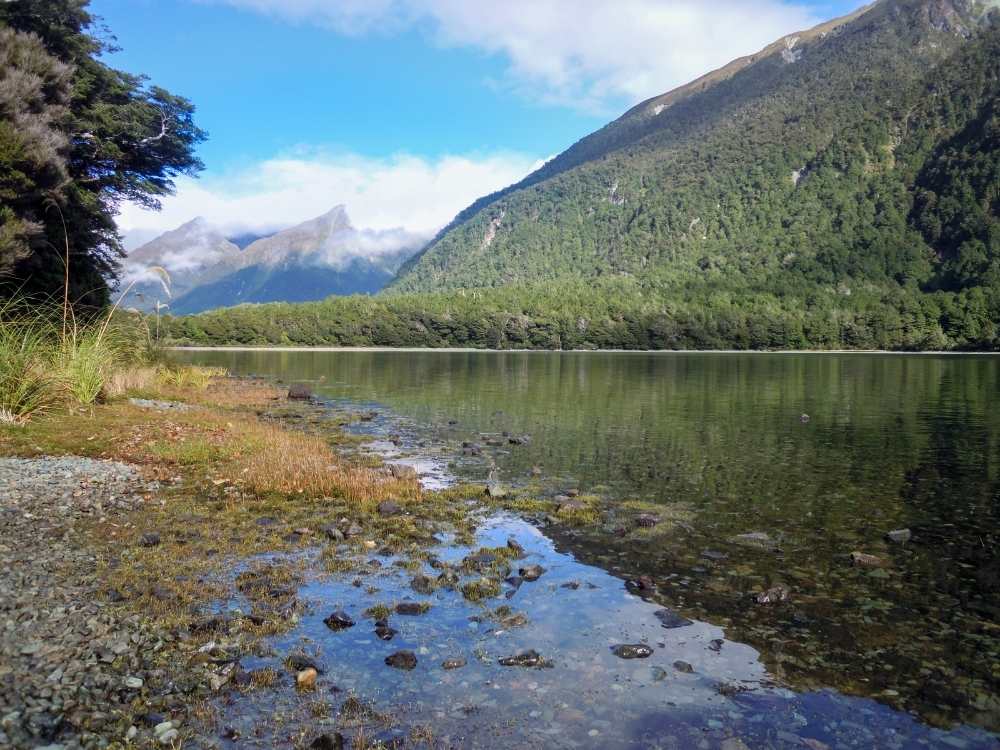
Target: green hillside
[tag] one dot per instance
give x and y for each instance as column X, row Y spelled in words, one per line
column 839, row 189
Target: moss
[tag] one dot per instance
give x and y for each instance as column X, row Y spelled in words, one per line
column 481, row 589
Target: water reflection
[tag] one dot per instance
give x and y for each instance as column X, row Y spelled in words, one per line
column 891, row 442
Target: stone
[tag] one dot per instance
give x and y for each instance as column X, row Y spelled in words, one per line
column 333, row 533
column 300, row 392
column 402, row 472
column 389, row 508
column 453, row 663
column 405, row 660
column 529, row 659
column 133, row 682
column 632, row 651
column 383, row 631
column 515, row 546
column 642, row 586
column 773, row 595
column 422, row 584
column 306, row 679
column 646, row 520
column 150, row 539
column 715, row 645
column 866, row 561
column 683, row 666
column 531, row 572
column 333, row 741
column 757, row 539
column 496, row 491
column 899, row 536
column 670, row 619
column 339, row 620
column 299, row 662
column 411, row 608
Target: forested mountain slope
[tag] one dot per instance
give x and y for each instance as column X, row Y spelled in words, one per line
column 854, row 155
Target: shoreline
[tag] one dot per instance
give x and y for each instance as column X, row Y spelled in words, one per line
column 471, row 350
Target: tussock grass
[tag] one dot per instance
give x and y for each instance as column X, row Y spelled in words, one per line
column 27, row 386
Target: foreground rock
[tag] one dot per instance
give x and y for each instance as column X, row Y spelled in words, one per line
column 405, row 660
column 530, row 658
column 632, row 651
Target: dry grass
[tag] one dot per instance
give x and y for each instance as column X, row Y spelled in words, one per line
column 131, row 380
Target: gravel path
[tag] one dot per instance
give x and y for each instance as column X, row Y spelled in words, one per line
column 70, row 665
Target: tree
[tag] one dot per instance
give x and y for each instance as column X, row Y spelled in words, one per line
column 111, row 137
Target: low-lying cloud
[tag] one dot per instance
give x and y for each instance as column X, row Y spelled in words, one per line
column 592, row 54
column 406, row 193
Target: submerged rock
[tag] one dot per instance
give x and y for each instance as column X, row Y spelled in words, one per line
column 405, row 660
column 339, row 620
column 773, row 595
column 866, row 561
column 632, row 651
column 299, row 661
column 333, row 741
column 412, row 608
column 899, row 536
column 515, row 546
column 758, row 540
column 454, row 663
column 642, row 586
column 531, row 572
column 422, row 584
column 529, row 658
column 670, row 619
column 683, row 666
column 383, row 631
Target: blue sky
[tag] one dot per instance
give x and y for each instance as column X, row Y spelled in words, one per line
column 451, row 98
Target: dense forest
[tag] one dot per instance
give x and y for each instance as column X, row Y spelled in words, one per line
column 840, row 191
column 77, row 138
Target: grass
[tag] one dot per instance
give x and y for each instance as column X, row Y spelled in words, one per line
column 27, row 386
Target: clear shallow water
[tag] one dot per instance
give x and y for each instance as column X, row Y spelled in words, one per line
column 890, row 442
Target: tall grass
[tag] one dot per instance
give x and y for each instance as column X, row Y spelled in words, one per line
column 27, row 384
column 45, row 361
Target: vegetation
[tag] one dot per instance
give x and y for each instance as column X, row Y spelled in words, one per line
column 76, row 139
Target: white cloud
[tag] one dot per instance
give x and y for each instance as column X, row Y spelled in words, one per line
column 593, row 54
column 412, row 193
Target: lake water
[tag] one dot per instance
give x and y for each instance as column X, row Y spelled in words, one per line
column 823, row 453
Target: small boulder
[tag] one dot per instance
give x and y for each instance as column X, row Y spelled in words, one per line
column 865, row 560
column 529, row 659
column 300, row 392
column 411, row 608
column 150, row 539
column 773, row 595
column 402, row 472
column 899, row 536
column 496, row 491
column 646, row 520
column 670, row 619
column 339, row 620
column 405, row 660
column 333, row 741
column 632, row 651
column 389, row 508
column 306, row 679
column 683, row 666
column 453, row 663
column 642, row 586
column 531, row 572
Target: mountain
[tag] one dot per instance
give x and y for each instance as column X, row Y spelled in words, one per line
column 857, row 159
column 186, row 253
column 318, row 258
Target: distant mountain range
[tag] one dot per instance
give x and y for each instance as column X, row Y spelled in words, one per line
column 207, row 269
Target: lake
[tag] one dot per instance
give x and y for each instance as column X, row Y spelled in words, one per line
column 822, row 453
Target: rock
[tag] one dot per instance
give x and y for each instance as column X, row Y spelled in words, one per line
column 298, row 662
column 422, row 584
column 670, row 619
column 133, row 682
column 899, row 536
column 773, row 595
column 573, row 493
column 531, row 572
column 647, row 520
column 383, row 631
column 354, row 530
column 519, row 439
column 472, row 449
column 758, row 540
column 716, row 645
column 448, row 578
column 151, row 539
column 683, row 666
column 709, row 554
column 632, row 651
column 536, row 471
column 514, row 546
column 530, row 659
column 659, row 674
column 402, row 472
column 454, row 663
column 406, row 660
column 333, row 741
column 571, row 585
column 338, row 620
column 299, row 392
column 333, row 533
column 389, row 508
column 496, row 491
column 412, row 608
column 306, row 679
column 733, row 743
column 866, row 561
column 515, row 621
column 642, row 586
